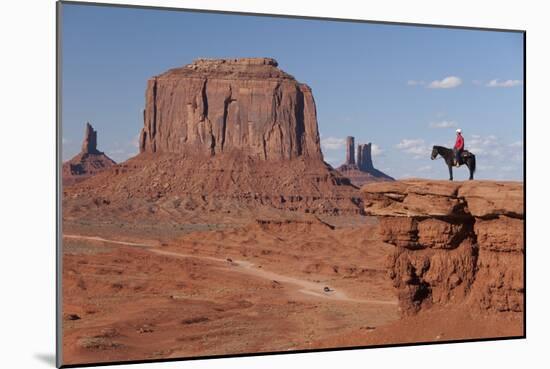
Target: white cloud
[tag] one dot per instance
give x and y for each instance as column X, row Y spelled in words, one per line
column 333, row 161
column 376, row 150
column 447, row 82
column 409, row 143
column 484, row 167
column 333, row 143
column 412, row 82
column 425, row 168
column 508, row 168
column 125, row 150
column 492, row 149
column 484, row 146
column 416, row 147
column 517, row 157
column 504, row 84
column 135, row 141
column 443, row 124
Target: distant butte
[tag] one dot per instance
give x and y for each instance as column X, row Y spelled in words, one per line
column 362, row 171
column 88, row 162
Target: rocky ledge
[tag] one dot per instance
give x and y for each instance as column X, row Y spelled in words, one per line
column 454, row 242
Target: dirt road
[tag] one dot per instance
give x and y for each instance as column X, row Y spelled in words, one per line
column 242, row 266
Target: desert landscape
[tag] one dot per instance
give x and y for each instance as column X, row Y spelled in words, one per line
column 229, row 233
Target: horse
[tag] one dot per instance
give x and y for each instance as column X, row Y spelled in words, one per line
column 467, row 158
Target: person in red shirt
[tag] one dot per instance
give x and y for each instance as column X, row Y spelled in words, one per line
column 459, row 146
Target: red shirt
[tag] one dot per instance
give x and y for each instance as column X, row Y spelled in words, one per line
column 459, row 144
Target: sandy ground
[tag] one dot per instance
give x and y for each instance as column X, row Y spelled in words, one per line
column 135, row 293
column 245, row 289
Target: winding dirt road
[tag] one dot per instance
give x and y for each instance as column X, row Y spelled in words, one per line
column 242, row 266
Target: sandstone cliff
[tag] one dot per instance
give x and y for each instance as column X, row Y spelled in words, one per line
column 88, row 162
column 215, row 106
column 362, row 171
column 455, row 242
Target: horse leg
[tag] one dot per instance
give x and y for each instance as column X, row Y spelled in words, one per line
column 450, row 172
column 468, row 163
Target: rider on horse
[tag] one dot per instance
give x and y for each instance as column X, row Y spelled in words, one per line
column 459, row 147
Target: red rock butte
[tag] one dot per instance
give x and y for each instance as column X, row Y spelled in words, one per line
column 228, row 135
column 221, row 105
column 88, row 162
column 362, row 170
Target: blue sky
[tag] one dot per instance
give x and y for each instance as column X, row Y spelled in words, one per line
column 403, row 88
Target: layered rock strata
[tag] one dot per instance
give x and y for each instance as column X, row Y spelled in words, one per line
column 221, row 105
column 454, row 242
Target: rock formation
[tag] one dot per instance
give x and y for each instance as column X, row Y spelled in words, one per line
column 88, row 162
column 362, row 171
column 224, row 136
column 215, row 106
column 364, row 157
column 350, row 150
column 89, row 145
column 455, row 242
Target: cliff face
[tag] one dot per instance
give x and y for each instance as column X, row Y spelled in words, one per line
column 361, row 171
column 215, row 106
column 88, row 162
column 455, row 242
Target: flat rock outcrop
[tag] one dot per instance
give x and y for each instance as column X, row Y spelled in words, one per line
column 220, row 105
column 88, row 162
column 455, row 242
column 361, row 171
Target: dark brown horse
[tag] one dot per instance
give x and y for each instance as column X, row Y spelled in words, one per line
column 466, row 158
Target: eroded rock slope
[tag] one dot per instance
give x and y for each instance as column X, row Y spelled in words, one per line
column 454, row 242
